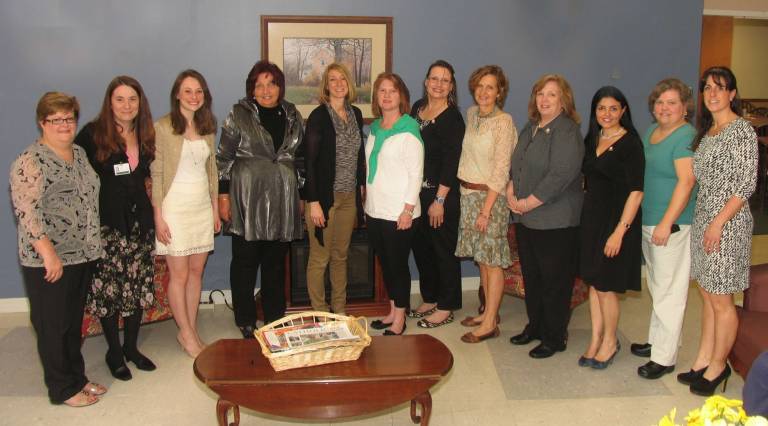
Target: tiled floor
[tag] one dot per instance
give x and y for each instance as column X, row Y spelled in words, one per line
column 485, row 387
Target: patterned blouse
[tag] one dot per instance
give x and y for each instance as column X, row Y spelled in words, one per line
column 56, row 199
column 347, row 147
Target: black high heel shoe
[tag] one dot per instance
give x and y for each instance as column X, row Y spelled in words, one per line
column 691, row 376
column 706, row 387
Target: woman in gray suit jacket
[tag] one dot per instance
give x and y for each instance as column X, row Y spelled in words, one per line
column 545, row 196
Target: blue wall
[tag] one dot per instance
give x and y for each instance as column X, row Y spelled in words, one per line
column 77, row 46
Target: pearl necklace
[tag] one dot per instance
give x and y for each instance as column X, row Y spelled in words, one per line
column 618, row 132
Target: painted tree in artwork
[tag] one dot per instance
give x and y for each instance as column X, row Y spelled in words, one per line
column 360, row 49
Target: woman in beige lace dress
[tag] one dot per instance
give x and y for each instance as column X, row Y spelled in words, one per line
column 489, row 139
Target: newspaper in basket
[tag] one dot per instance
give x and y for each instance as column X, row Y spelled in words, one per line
column 312, row 338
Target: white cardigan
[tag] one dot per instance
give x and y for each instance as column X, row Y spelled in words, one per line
column 399, row 174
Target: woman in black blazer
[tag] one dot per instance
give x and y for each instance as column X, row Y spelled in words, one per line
column 335, row 175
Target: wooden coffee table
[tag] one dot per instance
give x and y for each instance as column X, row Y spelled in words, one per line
column 391, row 371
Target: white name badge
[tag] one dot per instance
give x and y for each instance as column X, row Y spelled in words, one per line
column 122, row 169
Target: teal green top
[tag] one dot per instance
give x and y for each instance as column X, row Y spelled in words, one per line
column 660, row 176
column 404, row 124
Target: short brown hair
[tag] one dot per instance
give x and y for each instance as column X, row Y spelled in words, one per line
column 501, row 82
column 405, row 96
column 262, row 67
column 52, row 102
column 566, row 97
column 672, row 83
column 325, row 94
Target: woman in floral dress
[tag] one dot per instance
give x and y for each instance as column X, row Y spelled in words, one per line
column 120, row 144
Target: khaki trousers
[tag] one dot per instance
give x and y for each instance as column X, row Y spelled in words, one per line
column 332, row 254
column 668, row 280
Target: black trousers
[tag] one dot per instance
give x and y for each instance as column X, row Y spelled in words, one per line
column 247, row 258
column 56, row 312
column 433, row 250
column 549, row 261
column 393, row 248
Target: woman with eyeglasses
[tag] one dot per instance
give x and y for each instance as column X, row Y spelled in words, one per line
column 434, row 243
column 55, row 198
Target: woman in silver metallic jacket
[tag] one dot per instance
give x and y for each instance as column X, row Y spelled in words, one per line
column 258, row 158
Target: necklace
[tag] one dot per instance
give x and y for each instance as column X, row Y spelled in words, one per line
column 618, row 132
column 482, row 118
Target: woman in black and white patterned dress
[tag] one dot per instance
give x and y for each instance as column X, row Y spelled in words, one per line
column 725, row 165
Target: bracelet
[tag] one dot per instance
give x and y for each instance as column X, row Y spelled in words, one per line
column 439, row 199
column 408, row 212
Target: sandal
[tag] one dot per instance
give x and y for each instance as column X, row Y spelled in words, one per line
column 425, row 323
column 95, row 389
column 81, row 399
column 417, row 314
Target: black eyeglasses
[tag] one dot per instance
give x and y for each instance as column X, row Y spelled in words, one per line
column 60, row 121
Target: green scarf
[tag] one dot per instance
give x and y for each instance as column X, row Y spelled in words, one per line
column 404, row 124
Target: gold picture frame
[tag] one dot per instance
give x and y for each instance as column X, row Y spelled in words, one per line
column 302, row 46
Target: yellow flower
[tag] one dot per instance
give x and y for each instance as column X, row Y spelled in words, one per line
column 669, row 419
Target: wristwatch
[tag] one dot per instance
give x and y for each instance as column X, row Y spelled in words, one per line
column 439, row 199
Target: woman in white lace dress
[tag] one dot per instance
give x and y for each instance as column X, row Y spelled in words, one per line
column 184, row 188
column 725, row 165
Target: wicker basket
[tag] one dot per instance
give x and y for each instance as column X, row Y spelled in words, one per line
column 319, row 353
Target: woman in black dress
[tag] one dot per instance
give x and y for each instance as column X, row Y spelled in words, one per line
column 610, row 218
column 442, row 129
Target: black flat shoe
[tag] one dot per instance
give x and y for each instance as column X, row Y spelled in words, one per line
column 118, row 368
column 248, row 331
column 602, row 365
column 691, row 376
column 392, row 333
column 380, row 325
column 523, row 338
column 643, row 350
column 706, row 387
column 140, row 361
column 585, row 362
column 652, row 370
column 544, row 351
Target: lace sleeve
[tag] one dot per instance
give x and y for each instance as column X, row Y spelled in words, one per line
column 27, row 180
column 505, row 139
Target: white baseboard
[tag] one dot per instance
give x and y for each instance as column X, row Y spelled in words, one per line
column 21, row 304
column 14, row 304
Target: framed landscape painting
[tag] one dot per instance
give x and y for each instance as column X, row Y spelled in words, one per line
column 303, row 46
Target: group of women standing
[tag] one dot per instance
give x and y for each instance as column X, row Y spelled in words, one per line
column 92, row 210
column 425, row 180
